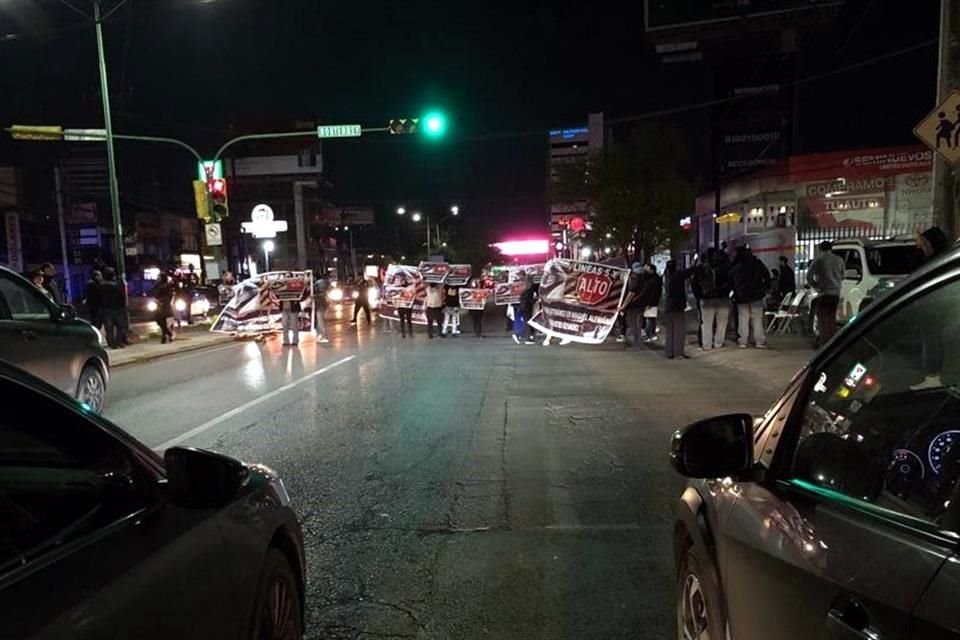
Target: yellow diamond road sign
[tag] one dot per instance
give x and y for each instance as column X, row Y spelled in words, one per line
column 941, row 129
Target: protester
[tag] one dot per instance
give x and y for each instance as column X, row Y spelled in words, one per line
column 50, row 282
column 476, row 315
column 713, row 278
column 36, row 278
column 362, row 301
column 826, row 276
column 290, row 321
column 113, row 303
column 92, row 298
column 435, row 302
column 163, row 296
column 675, row 304
column 750, row 279
column 932, row 243
column 524, row 311
column 451, row 311
column 320, row 309
column 633, row 304
column 788, row 279
column 650, row 294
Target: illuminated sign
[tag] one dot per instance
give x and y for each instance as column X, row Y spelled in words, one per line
column 262, row 224
column 686, row 222
column 523, row 247
column 214, row 168
column 569, row 134
column 732, row 216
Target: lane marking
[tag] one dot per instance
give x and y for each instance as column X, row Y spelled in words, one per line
column 248, row 405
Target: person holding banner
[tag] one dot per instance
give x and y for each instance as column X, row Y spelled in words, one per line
column 290, row 317
column 524, row 312
column 451, row 311
column 434, row 309
column 476, row 315
column 675, row 302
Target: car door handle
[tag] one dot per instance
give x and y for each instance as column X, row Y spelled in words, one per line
column 29, row 336
column 850, row 622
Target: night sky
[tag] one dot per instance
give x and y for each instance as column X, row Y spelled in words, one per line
column 504, row 71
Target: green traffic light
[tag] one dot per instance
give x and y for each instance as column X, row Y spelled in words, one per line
column 434, row 124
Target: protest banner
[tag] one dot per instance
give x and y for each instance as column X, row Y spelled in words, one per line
column 400, row 286
column 404, row 289
column 254, row 306
column 434, row 271
column 458, row 275
column 505, row 293
column 475, row 299
column 579, row 301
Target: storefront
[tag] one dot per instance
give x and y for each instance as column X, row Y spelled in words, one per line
column 788, row 209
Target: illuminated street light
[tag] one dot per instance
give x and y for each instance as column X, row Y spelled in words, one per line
column 586, row 252
column 268, row 246
column 401, row 211
column 455, row 210
column 444, row 245
column 416, row 217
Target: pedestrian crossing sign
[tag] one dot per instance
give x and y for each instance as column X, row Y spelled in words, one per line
column 941, row 129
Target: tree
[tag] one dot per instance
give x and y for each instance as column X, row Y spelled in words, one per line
column 635, row 190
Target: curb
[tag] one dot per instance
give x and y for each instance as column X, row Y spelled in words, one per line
column 149, row 357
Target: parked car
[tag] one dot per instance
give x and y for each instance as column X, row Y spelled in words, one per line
column 872, row 266
column 836, row 514
column 50, row 341
column 100, row 537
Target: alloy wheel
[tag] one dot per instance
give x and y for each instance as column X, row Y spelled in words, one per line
column 92, row 389
column 277, row 618
column 694, row 620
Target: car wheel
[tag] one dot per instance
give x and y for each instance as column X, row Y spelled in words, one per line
column 278, row 608
column 699, row 613
column 92, row 388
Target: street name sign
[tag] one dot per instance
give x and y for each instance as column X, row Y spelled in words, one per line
column 940, row 130
column 339, row 131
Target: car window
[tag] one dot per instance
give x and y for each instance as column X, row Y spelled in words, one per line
column 882, row 423
column 23, row 300
column 893, row 260
column 851, row 260
column 61, row 477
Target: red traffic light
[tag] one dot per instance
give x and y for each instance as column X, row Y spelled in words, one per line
column 218, row 187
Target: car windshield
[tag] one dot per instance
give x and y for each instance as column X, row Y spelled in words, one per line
column 892, row 260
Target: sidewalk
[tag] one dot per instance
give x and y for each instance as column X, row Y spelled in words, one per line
column 149, row 347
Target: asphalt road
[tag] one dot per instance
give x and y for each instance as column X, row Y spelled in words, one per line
column 460, row 488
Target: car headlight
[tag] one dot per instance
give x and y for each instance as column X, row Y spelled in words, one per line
column 335, row 295
column 180, row 305
column 152, row 305
column 355, row 294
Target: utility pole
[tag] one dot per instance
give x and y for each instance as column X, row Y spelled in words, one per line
column 58, row 190
column 945, row 183
column 119, row 247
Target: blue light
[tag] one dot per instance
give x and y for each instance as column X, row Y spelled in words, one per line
column 569, row 134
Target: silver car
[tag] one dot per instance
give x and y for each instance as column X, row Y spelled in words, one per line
column 50, row 342
column 836, row 515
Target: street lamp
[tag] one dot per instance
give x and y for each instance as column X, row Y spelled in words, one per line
column 455, row 210
column 416, row 217
column 401, row 211
column 268, row 246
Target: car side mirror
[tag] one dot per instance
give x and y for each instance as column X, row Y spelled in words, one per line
column 715, row 447
column 67, row 312
column 201, row 479
column 852, row 274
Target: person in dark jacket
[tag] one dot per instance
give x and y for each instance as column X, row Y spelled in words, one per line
column 633, row 304
column 163, row 295
column 788, row 279
column 113, row 303
column 713, row 278
column 362, row 301
column 675, row 303
column 525, row 310
column 50, row 282
column 932, row 243
column 92, row 298
column 750, row 280
column 650, row 291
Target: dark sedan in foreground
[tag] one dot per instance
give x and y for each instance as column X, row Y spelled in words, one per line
column 101, row 538
column 836, row 515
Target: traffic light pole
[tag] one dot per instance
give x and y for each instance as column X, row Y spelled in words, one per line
column 119, row 246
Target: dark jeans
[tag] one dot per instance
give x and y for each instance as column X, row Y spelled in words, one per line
column 827, row 316
column 161, row 319
column 361, row 305
column 634, row 319
column 477, row 316
column 434, row 316
column 406, row 321
column 676, row 334
column 650, row 327
column 113, row 323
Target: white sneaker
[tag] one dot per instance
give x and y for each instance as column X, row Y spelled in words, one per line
column 621, row 338
column 515, row 338
column 546, row 341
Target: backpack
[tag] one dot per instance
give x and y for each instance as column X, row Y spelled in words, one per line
column 711, row 280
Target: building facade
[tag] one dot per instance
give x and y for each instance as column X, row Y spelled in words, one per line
column 570, row 207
